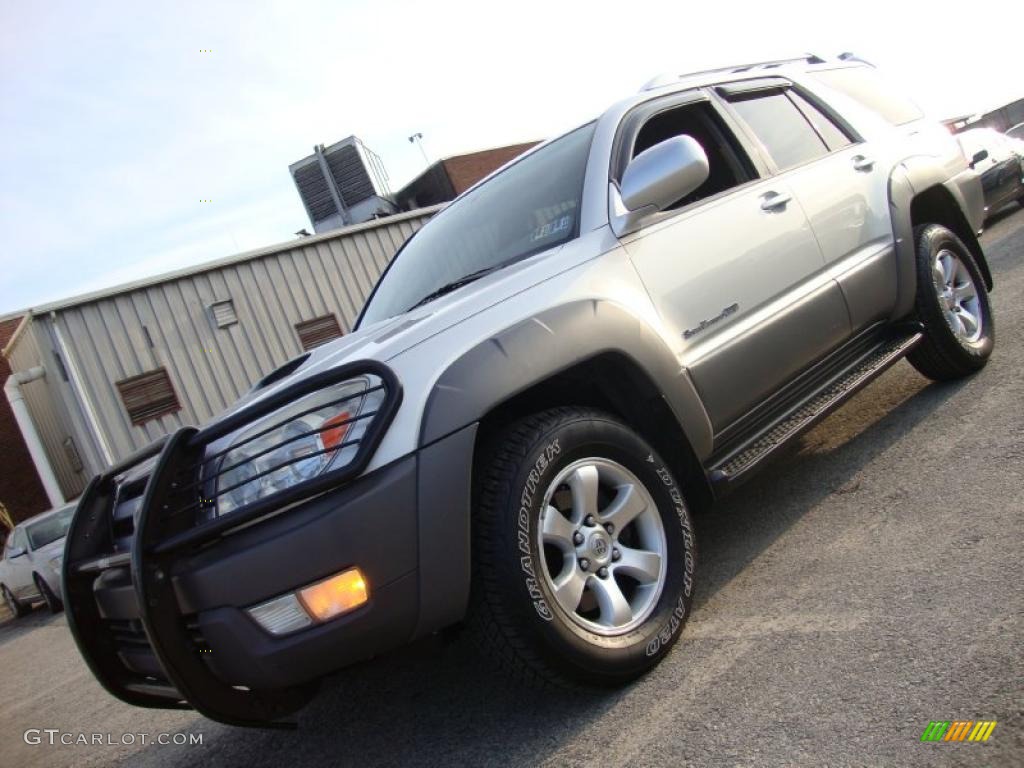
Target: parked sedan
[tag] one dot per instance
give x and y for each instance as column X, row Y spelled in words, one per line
column 30, row 568
column 993, row 156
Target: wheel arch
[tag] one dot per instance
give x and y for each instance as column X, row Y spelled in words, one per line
column 613, row 382
column 921, row 192
column 592, row 352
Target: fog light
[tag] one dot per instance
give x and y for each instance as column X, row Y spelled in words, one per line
column 335, row 596
column 281, row 615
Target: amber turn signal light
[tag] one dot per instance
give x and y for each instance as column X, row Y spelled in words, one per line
column 336, row 595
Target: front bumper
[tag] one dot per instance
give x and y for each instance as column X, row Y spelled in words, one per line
column 162, row 622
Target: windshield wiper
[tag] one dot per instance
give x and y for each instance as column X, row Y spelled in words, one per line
column 456, row 284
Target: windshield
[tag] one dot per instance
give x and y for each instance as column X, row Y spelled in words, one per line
column 49, row 530
column 529, row 207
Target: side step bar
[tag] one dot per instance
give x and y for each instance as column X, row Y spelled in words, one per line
column 740, row 462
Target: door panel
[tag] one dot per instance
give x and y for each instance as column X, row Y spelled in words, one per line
column 846, row 202
column 745, row 369
column 721, row 275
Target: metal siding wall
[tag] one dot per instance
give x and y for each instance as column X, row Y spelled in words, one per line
column 211, row 367
column 43, row 400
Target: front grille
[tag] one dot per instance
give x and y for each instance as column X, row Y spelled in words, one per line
column 138, row 643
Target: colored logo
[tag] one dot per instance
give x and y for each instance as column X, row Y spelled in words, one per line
column 958, row 730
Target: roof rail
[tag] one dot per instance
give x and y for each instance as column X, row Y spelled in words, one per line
column 668, row 79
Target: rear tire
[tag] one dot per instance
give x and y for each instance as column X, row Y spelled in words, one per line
column 53, row 603
column 583, row 552
column 953, row 305
column 16, row 608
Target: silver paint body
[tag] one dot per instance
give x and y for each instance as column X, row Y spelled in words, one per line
column 799, row 278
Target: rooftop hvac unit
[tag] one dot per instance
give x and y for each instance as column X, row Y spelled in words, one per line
column 342, row 184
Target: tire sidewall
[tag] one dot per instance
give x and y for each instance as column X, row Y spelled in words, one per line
column 12, row 602
column 52, row 601
column 599, row 658
column 931, row 240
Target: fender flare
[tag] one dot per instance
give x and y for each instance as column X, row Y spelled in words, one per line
column 907, row 181
column 552, row 341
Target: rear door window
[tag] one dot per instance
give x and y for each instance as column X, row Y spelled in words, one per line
column 787, row 136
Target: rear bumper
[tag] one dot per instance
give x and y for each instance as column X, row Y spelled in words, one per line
column 164, row 622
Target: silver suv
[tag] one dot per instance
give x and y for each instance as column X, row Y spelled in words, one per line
column 616, row 328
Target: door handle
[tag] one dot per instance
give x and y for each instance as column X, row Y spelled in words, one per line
column 863, row 163
column 774, row 201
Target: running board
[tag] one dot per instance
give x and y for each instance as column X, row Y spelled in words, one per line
column 740, row 462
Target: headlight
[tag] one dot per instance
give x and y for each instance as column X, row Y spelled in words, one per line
column 303, row 439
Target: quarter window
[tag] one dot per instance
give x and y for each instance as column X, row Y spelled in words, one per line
column 785, row 133
column 833, row 135
column 866, row 86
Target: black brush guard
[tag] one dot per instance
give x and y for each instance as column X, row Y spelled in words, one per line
column 178, row 677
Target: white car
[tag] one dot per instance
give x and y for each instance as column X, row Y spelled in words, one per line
column 30, row 568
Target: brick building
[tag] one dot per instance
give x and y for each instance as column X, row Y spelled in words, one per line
column 20, row 489
column 448, row 178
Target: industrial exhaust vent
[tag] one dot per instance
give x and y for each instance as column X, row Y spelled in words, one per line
column 342, row 184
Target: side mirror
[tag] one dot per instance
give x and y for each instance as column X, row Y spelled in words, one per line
column 15, row 552
column 980, row 155
column 662, row 174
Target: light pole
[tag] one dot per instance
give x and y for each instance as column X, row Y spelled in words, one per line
column 417, row 139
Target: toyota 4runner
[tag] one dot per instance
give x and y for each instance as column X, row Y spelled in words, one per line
column 617, row 327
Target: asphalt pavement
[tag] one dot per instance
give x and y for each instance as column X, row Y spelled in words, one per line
column 865, row 585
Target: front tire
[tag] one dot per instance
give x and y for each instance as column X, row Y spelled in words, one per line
column 953, row 305
column 17, row 609
column 583, row 552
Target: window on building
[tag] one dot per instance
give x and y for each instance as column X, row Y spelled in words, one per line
column 223, row 313
column 866, row 86
column 782, row 129
column 148, row 396
column 319, row 330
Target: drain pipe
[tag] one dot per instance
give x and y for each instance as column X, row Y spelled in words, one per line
column 28, row 430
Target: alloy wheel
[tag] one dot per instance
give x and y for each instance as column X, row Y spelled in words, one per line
column 958, row 296
column 604, row 546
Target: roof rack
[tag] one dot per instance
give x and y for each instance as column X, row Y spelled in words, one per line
column 668, row 79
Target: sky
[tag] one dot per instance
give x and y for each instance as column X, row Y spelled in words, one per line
column 118, row 118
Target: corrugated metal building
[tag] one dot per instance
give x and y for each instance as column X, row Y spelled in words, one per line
column 129, row 364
